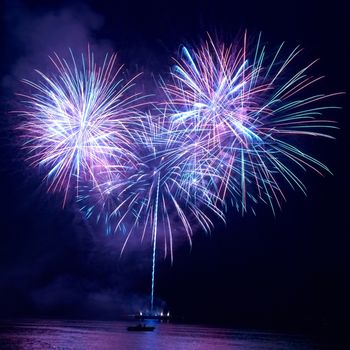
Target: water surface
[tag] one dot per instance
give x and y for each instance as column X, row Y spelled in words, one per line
column 85, row 335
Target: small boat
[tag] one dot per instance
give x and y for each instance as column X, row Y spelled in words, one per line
column 141, row 328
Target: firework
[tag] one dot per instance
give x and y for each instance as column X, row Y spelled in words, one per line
column 228, row 131
column 245, row 112
column 161, row 190
column 79, row 120
column 161, row 196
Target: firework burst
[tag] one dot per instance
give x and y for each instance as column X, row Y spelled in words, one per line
column 160, row 191
column 79, row 120
column 244, row 110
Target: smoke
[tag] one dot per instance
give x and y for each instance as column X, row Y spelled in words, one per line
column 60, row 270
column 34, row 36
column 66, row 296
column 68, row 268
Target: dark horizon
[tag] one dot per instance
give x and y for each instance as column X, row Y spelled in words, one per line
column 287, row 271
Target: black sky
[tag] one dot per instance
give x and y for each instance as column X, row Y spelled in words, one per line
column 286, row 271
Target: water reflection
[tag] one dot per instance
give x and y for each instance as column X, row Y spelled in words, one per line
column 76, row 335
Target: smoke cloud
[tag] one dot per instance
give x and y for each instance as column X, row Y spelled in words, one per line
column 34, row 36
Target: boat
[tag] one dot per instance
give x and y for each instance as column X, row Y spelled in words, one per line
column 141, row 328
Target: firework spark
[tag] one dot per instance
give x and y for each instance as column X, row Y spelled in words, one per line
column 79, row 120
column 244, row 112
column 159, row 191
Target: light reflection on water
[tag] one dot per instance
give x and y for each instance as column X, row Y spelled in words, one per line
column 85, row 335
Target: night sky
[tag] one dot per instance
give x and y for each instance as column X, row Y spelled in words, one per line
column 285, row 271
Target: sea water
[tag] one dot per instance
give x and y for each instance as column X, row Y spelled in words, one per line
column 85, row 335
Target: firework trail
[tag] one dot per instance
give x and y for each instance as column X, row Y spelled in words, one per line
column 245, row 110
column 157, row 196
column 79, row 120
